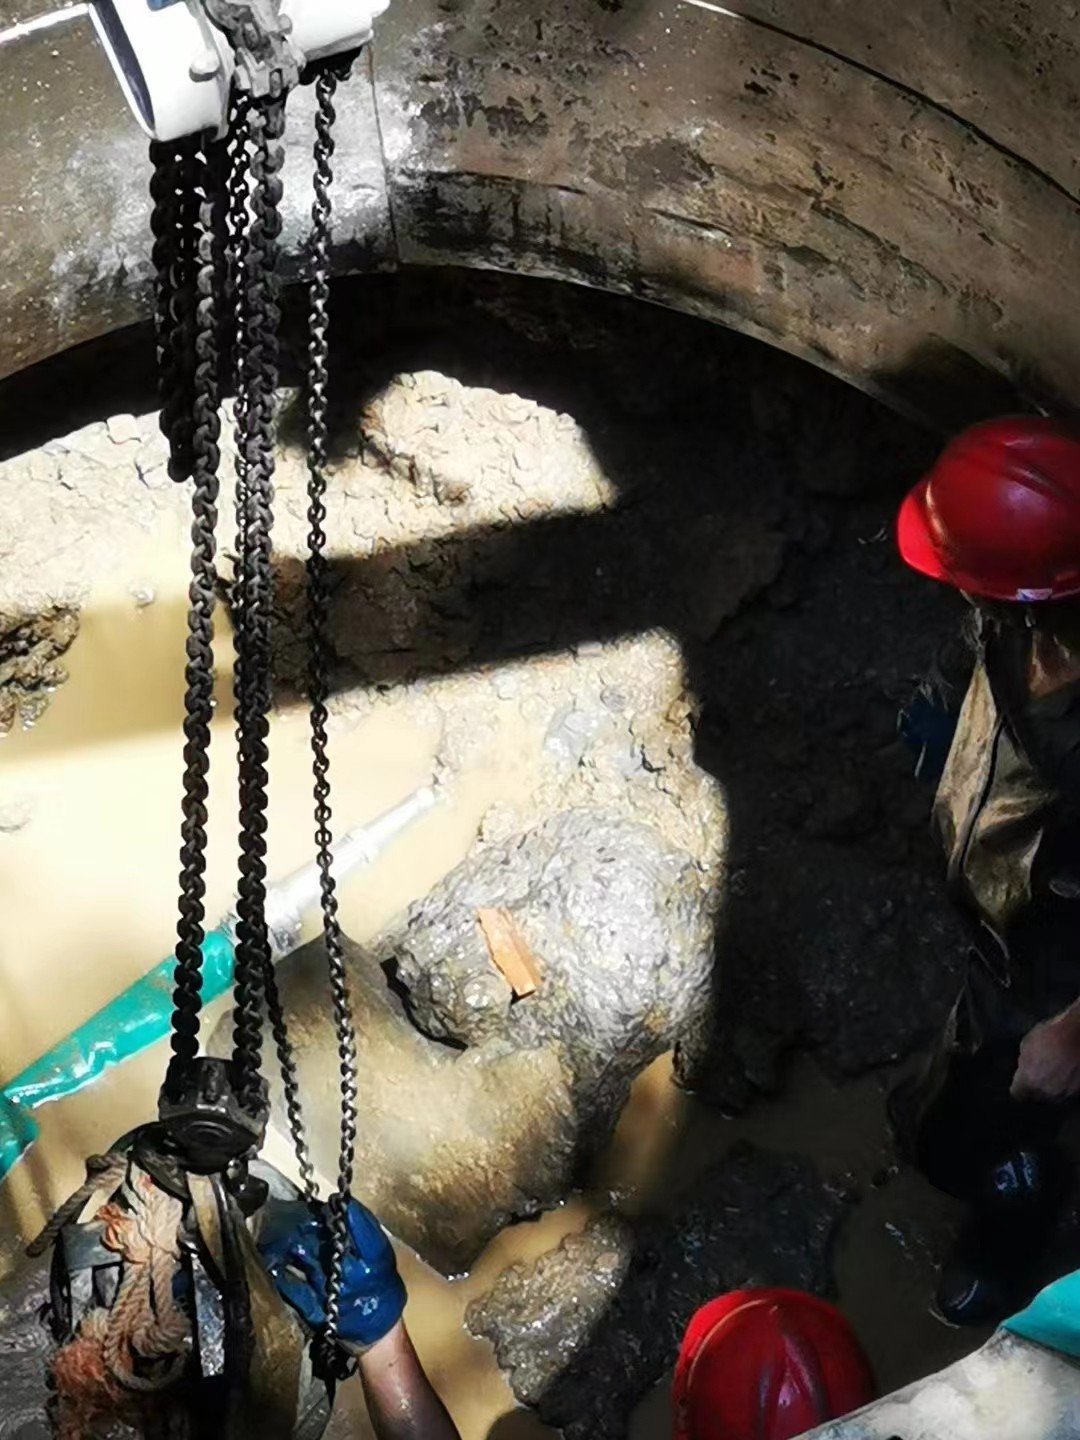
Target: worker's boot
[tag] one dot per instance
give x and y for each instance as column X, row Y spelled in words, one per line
column 993, row 1269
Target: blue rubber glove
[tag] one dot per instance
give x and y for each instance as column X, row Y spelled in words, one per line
column 296, row 1249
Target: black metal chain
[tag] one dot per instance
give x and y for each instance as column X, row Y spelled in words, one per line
column 318, row 606
column 259, row 361
column 217, row 226
column 204, row 429
column 237, row 219
column 173, row 221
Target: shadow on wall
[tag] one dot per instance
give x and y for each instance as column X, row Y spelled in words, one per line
column 752, row 520
column 117, row 373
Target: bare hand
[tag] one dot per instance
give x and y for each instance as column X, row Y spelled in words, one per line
column 1049, row 1064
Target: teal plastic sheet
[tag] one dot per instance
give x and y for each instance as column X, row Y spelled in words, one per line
column 1053, row 1317
column 136, row 1019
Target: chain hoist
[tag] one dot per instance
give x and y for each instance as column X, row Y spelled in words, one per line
column 209, row 81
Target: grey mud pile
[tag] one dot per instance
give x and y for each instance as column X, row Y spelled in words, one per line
column 586, row 1328
column 460, row 1138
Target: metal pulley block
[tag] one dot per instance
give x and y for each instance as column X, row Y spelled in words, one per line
column 203, row 1129
column 202, row 1123
column 177, row 60
column 267, row 63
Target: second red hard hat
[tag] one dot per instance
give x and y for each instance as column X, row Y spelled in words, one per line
column 767, row 1365
column 999, row 514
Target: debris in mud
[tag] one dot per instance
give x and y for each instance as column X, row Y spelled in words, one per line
column 727, row 567
column 620, row 924
column 484, row 453
column 16, row 811
column 509, row 951
column 30, row 665
column 457, row 1141
column 454, row 1145
column 71, row 507
column 584, row 1331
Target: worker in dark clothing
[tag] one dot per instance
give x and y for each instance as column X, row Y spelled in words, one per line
column 999, row 518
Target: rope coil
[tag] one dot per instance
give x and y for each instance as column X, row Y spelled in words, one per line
column 125, row 1356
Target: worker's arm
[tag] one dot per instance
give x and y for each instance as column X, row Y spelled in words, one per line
column 401, row 1401
column 402, row 1405
column 1049, row 1064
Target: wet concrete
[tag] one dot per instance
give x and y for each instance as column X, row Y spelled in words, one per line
column 451, row 1148
column 588, row 1328
column 570, row 572
column 479, row 1110
column 621, row 928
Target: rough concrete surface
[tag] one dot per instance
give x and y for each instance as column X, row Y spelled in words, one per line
column 1008, row 1390
column 455, row 1143
column 883, row 199
column 589, row 1327
column 621, row 929
column 25, row 1343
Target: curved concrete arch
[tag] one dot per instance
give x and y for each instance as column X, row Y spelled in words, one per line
column 892, row 197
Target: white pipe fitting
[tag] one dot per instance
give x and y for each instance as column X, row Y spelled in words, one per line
column 288, row 899
column 176, row 68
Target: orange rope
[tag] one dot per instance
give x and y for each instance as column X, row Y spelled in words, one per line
column 86, row 1392
column 144, row 1321
column 138, row 1347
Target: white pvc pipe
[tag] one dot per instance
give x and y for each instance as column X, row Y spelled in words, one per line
column 288, row 899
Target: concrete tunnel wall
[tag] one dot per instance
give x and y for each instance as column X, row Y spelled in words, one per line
column 889, row 192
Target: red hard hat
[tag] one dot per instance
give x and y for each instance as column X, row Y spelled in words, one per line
column 999, row 514
column 767, row 1365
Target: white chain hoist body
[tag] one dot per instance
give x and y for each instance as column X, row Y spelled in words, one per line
column 176, row 66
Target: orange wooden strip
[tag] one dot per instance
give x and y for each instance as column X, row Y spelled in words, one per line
column 509, row 951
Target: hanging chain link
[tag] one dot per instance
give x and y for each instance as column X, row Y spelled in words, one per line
column 254, row 225
column 318, row 606
column 216, row 225
column 237, row 219
column 173, row 221
column 196, row 441
column 259, row 362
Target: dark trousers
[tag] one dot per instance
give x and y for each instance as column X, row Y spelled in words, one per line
column 959, row 1120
